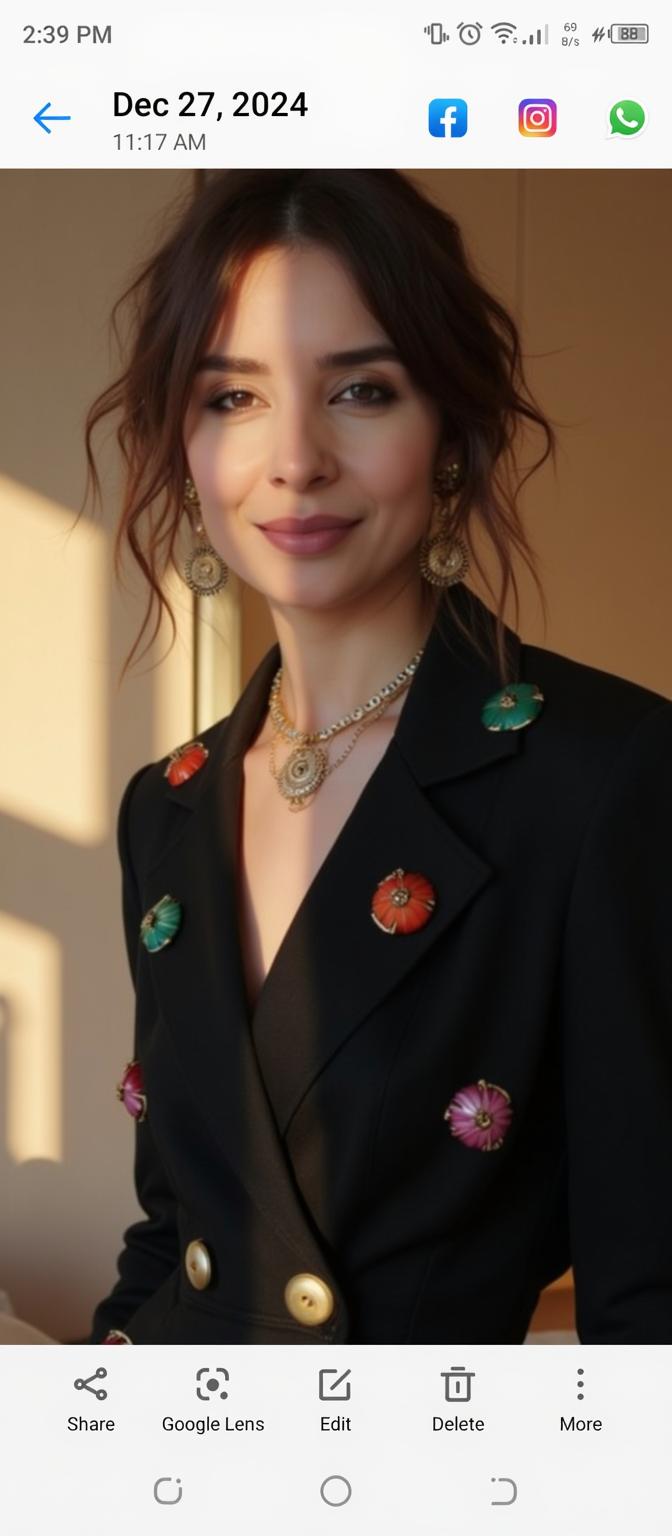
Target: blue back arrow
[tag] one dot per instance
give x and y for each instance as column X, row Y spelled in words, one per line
column 43, row 120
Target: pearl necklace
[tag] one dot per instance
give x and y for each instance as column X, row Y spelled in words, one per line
column 308, row 764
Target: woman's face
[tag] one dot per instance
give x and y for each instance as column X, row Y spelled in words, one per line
column 284, row 429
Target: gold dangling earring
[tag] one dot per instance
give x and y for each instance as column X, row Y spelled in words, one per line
column 444, row 560
column 204, row 570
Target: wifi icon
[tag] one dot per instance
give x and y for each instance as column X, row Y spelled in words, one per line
column 504, row 30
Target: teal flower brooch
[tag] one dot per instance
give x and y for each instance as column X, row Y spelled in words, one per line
column 512, row 707
column 160, row 924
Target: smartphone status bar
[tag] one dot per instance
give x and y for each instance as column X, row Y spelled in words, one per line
column 381, row 88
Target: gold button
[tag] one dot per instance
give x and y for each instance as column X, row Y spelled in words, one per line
column 197, row 1264
column 309, row 1299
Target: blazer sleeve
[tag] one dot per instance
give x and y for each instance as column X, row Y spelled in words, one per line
column 617, row 1020
column 151, row 1247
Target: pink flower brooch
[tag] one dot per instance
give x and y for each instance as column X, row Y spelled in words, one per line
column 480, row 1115
column 131, row 1091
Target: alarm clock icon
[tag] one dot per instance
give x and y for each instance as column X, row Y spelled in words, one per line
column 469, row 32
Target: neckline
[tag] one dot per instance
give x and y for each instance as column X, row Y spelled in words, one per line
column 319, row 876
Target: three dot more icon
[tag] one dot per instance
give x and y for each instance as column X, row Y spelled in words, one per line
column 580, row 1383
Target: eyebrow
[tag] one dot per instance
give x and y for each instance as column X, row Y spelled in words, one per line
column 382, row 352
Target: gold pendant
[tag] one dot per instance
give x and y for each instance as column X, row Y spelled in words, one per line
column 302, row 774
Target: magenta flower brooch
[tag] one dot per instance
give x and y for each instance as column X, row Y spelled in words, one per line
column 131, row 1091
column 480, row 1115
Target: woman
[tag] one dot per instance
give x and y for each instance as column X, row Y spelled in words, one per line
column 398, row 925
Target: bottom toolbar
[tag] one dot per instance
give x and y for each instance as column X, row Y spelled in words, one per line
column 405, row 1440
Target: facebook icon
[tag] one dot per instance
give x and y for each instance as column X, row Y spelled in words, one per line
column 448, row 117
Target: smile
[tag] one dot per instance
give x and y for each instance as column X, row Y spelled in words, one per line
column 313, row 542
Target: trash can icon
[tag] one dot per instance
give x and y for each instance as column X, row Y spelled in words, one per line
column 458, row 1384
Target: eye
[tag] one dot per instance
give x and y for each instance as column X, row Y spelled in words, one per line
column 223, row 403
column 216, row 404
column 383, row 392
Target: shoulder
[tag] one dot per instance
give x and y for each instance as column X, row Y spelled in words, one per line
column 149, row 802
column 592, row 719
column 589, row 693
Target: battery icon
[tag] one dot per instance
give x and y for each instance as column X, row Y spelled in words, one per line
column 622, row 33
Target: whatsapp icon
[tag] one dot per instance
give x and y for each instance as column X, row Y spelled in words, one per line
column 627, row 118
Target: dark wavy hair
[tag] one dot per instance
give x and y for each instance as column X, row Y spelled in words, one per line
column 407, row 257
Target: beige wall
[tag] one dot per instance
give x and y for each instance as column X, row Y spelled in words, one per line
column 70, row 742
column 583, row 260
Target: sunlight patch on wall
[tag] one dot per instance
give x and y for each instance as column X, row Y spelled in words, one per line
column 31, row 1042
column 54, row 682
column 173, row 678
column 219, row 651
column 191, row 694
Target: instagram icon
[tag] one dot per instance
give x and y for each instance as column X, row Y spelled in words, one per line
column 537, row 118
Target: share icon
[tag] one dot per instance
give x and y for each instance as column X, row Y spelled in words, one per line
column 84, row 1384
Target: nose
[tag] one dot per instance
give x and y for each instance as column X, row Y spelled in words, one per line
column 299, row 454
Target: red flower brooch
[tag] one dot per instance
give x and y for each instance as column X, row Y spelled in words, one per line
column 131, row 1091
column 480, row 1115
column 402, row 902
column 184, row 762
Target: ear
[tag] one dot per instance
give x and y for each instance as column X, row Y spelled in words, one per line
column 449, row 451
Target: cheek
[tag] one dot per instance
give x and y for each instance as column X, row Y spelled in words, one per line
column 221, row 477
column 398, row 466
column 402, row 478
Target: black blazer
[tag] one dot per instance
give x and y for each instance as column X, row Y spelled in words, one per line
column 311, row 1138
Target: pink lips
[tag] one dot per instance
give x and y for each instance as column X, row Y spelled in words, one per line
column 304, row 524
column 306, row 535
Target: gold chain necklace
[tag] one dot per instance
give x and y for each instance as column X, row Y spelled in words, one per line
column 308, row 764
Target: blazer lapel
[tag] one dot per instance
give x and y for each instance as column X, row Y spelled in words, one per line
column 334, row 964
column 199, row 977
